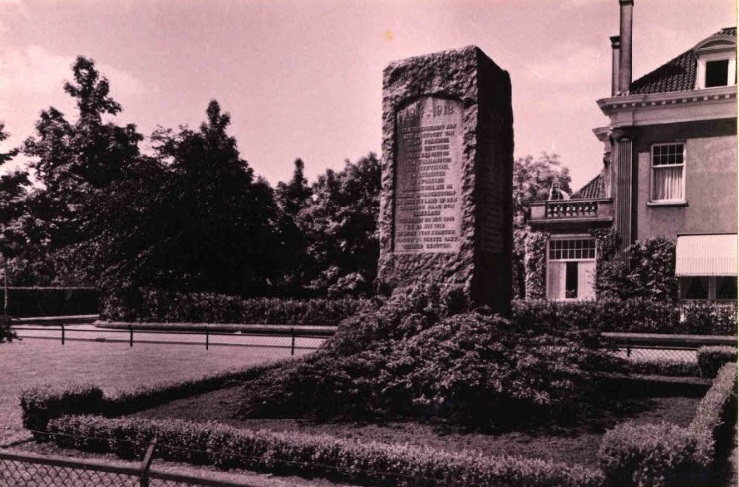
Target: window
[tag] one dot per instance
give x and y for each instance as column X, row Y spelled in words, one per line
column 571, row 268
column 726, row 287
column 708, row 287
column 717, row 73
column 668, row 172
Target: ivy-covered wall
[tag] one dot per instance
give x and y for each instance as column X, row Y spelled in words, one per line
column 535, row 264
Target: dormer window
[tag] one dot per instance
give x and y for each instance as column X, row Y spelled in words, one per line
column 716, row 62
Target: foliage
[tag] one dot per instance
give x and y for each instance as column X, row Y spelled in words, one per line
column 30, row 301
column 167, row 306
column 652, row 270
column 292, row 198
column 535, row 265
column 712, row 358
column 670, row 368
column 709, row 318
column 669, row 455
column 44, row 403
column 609, row 266
column 295, row 453
column 532, row 180
column 418, row 355
column 633, row 315
column 340, row 223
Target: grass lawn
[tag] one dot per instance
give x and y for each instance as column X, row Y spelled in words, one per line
column 572, row 444
column 113, row 366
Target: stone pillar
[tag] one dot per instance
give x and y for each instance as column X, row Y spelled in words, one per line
column 446, row 211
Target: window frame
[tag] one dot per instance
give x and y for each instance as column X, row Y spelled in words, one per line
column 653, row 168
column 560, row 238
column 720, row 55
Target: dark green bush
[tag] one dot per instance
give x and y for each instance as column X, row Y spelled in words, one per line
column 635, row 316
column 165, row 306
column 46, row 301
column 295, row 453
column 665, row 455
column 44, row 403
column 40, row 404
column 415, row 357
column 711, row 359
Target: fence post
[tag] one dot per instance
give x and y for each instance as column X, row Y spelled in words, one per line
column 130, row 337
column 292, row 341
column 207, row 337
column 146, row 464
column 62, row 325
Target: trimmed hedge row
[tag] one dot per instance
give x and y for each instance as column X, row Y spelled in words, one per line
column 666, row 455
column 46, row 301
column 294, row 453
column 635, row 315
column 44, row 403
column 711, row 359
column 165, row 306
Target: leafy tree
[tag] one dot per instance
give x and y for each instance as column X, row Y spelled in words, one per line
column 12, row 239
column 77, row 163
column 293, row 197
column 220, row 232
column 341, row 223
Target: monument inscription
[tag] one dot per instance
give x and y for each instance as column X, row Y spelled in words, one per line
column 428, row 202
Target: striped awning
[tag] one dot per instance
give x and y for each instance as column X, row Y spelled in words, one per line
column 706, row 255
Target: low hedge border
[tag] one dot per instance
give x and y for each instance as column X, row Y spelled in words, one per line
column 666, row 455
column 712, row 358
column 44, row 403
column 294, row 453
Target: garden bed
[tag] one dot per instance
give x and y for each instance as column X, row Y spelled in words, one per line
column 572, row 444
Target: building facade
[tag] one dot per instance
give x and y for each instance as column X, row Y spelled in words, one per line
column 669, row 169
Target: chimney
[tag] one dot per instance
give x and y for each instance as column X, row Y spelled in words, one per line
column 624, row 64
column 616, row 50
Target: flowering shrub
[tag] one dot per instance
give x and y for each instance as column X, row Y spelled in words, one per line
column 711, row 359
column 164, row 306
column 291, row 453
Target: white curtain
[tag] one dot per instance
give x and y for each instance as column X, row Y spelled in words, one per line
column 556, row 276
column 586, row 280
column 668, row 183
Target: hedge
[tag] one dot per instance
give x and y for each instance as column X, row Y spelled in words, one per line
column 295, row 453
column 44, row 403
column 666, row 455
column 712, row 358
column 164, row 306
column 636, row 316
column 48, row 301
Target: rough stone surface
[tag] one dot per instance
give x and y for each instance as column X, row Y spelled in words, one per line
column 479, row 261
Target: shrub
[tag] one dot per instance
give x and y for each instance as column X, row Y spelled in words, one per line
column 665, row 455
column 165, row 306
column 672, row 368
column 647, row 455
column 711, row 359
column 414, row 356
column 44, row 403
column 291, row 453
column 634, row 315
column 46, row 301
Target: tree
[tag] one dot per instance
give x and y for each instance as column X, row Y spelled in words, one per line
column 77, row 164
column 12, row 239
column 341, row 223
column 293, row 197
column 220, row 232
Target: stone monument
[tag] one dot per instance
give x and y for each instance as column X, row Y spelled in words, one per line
column 446, row 211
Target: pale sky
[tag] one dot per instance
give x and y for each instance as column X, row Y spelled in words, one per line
column 303, row 78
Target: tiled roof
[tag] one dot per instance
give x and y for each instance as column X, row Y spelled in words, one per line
column 675, row 75
column 594, row 189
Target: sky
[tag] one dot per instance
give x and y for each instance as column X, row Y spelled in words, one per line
column 303, row 78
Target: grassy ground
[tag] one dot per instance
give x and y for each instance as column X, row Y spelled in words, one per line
column 576, row 443
column 113, row 366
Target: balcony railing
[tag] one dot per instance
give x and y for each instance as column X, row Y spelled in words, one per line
column 590, row 209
